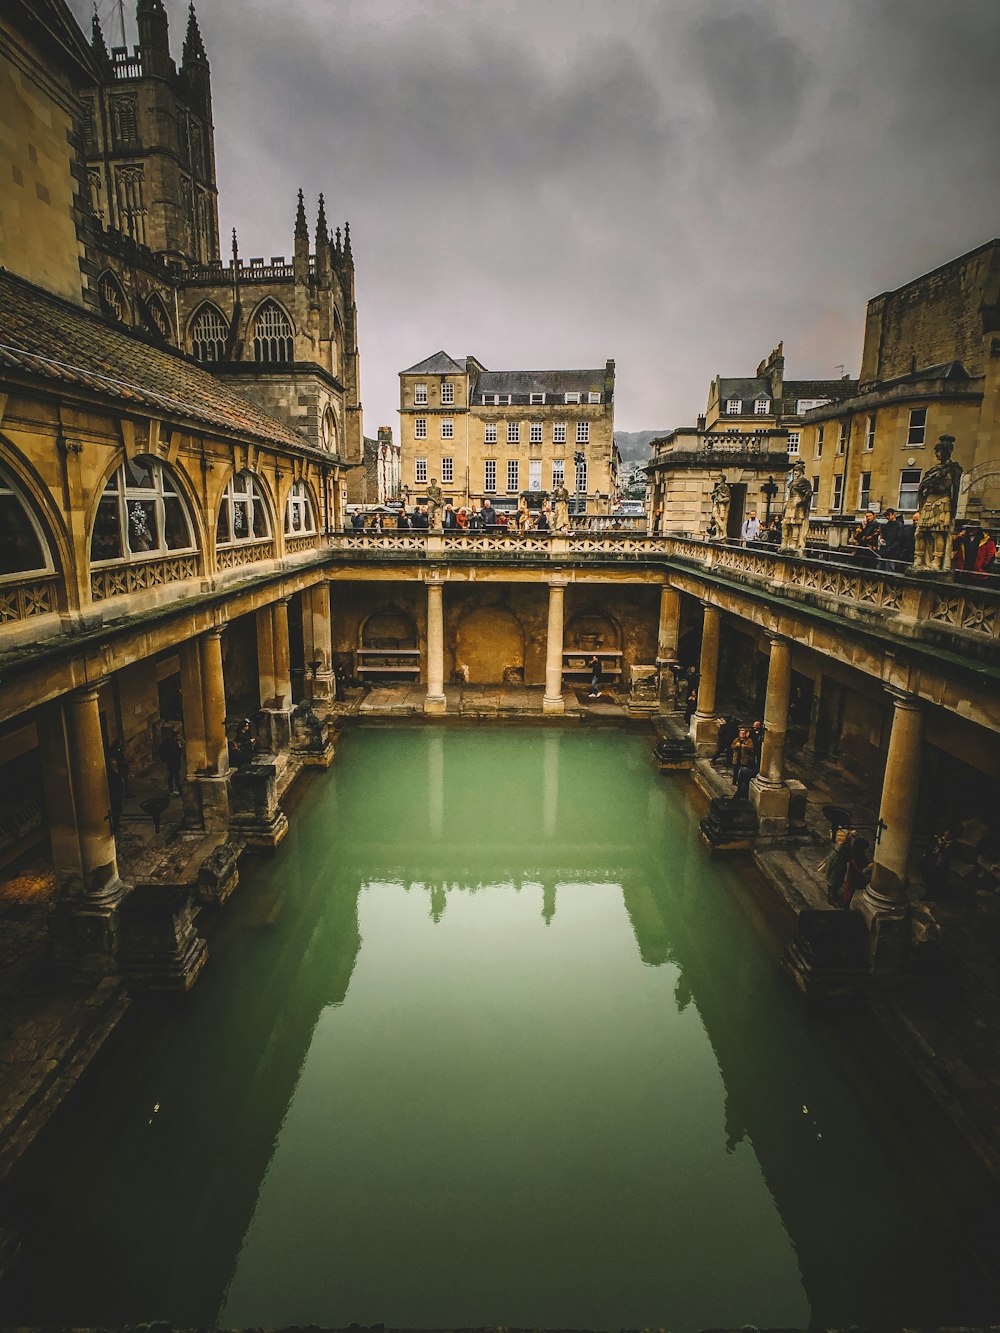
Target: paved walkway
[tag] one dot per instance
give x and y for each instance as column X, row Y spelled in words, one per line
column 487, row 701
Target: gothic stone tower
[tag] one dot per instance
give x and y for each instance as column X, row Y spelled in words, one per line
column 150, row 144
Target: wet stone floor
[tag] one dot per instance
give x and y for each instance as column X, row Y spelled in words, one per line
column 490, row 1041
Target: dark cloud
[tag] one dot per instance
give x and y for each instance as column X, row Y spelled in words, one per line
column 674, row 185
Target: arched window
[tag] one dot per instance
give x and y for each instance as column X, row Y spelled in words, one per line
column 272, row 334
column 23, row 548
column 329, row 430
column 208, row 333
column 141, row 514
column 158, row 318
column 111, row 295
column 243, row 512
column 300, row 519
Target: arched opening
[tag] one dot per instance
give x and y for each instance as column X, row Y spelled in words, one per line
column 157, row 318
column 208, row 332
column 300, row 512
column 111, row 295
column 243, row 513
column 593, row 632
column 388, row 628
column 489, row 646
column 328, row 431
column 24, row 547
column 141, row 514
column 272, row 334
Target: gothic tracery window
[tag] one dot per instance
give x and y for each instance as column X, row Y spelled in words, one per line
column 131, row 203
column 209, row 332
column 23, row 548
column 158, row 317
column 125, row 120
column 140, row 514
column 112, row 297
column 243, row 512
column 272, row 334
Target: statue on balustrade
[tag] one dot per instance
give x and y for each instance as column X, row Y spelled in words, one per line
column 560, row 501
column 721, row 500
column 798, row 503
column 435, row 506
column 937, row 496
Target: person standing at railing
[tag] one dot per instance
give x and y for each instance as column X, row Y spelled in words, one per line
column 488, row 516
column 751, row 528
column 889, row 542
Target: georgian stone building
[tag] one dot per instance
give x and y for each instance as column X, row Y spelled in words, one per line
column 501, row 433
column 749, row 431
column 930, row 367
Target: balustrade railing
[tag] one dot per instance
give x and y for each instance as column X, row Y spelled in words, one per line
column 117, row 580
column 233, row 557
column 33, row 597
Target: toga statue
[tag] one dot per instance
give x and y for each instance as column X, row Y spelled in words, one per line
column 798, row 503
column 435, row 504
column 721, row 497
column 560, row 500
column 937, row 496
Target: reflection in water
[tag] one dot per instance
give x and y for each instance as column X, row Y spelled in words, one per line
column 408, row 1091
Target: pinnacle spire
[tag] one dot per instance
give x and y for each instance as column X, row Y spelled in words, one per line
column 322, row 232
column 97, row 39
column 301, row 226
column 236, row 249
column 337, row 245
column 194, row 47
column 348, row 254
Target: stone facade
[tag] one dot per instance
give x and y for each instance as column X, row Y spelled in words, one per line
column 502, row 434
column 930, row 367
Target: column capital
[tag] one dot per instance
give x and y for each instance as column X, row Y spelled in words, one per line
column 709, row 606
column 904, row 700
column 215, row 631
column 560, row 583
column 90, row 690
column 776, row 636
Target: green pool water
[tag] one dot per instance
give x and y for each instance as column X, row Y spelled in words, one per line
column 491, row 1040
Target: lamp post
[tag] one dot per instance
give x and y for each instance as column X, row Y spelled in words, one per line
column 770, row 490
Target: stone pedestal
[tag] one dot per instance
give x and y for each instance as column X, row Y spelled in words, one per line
column 552, row 700
column 257, row 817
column 84, row 930
column 207, row 798
column 160, row 949
column 674, row 754
column 828, row 958
column 274, row 729
column 729, row 826
column 313, row 736
column 218, row 874
column 643, row 694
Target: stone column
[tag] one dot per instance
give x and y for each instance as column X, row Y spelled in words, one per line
column 265, row 656
column 884, row 903
column 57, row 784
column 274, row 668
column 705, row 724
column 667, row 638
column 435, row 701
column 768, row 790
column 193, row 706
column 98, row 855
column 282, row 655
column 213, row 781
column 318, row 636
column 552, row 700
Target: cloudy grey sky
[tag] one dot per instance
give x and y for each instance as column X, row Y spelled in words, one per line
column 549, row 183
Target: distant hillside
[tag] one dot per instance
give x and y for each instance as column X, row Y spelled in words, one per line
column 633, row 445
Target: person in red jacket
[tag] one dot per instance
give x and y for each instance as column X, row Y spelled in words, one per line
column 973, row 551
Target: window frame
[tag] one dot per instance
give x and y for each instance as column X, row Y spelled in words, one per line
column 583, row 432
column 447, row 428
column 420, row 395
column 124, row 492
column 489, row 476
column 250, row 497
column 870, row 433
column 559, row 432
column 761, row 406
column 489, row 432
column 535, row 433
column 734, row 407
column 9, row 487
column 420, row 473
column 420, row 428
column 910, row 487
column 300, row 502
column 794, row 443
column 513, row 432
column 842, row 438
column 864, row 491
column 534, row 474
column 513, row 473
column 447, row 395
column 916, row 428
column 447, row 471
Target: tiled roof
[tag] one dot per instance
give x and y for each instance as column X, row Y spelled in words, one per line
column 521, row 383
column 43, row 336
column 836, row 389
column 438, row 364
column 745, row 390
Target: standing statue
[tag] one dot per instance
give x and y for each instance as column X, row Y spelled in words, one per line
column 560, row 500
column 721, row 498
column 798, row 503
column 435, row 502
column 937, row 496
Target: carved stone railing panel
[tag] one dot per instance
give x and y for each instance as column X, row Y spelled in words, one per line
column 304, row 543
column 119, row 580
column 233, row 557
column 380, row 541
column 34, row 597
column 966, row 610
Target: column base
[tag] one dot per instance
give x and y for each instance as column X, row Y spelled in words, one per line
column 674, row 754
column 705, row 732
column 730, row 826
column 275, row 729
column 553, row 703
column 218, row 874
column 667, row 685
column 213, row 799
column 888, row 922
column 84, row 928
column 322, row 687
column 312, row 736
column 257, row 817
column 771, row 801
column 435, row 703
column 160, row 949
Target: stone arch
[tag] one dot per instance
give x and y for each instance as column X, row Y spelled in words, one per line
column 977, row 484
column 157, row 317
column 112, row 298
column 26, row 493
column 208, row 333
column 388, row 627
column 593, row 631
column 173, row 501
column 489, row 643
